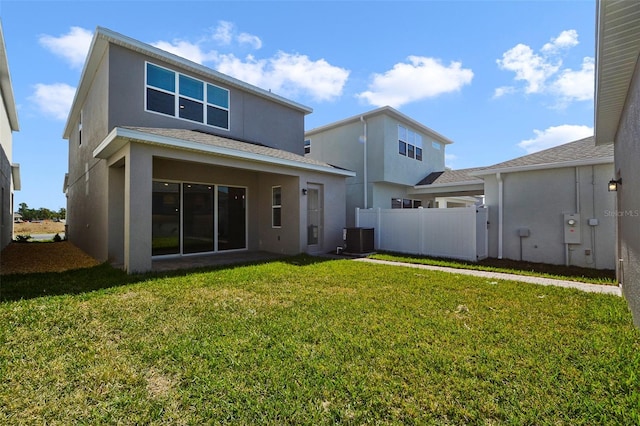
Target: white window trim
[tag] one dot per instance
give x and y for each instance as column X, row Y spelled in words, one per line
column 177, row 97
column 276, row 206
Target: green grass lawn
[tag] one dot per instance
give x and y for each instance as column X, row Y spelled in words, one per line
column 306, row 341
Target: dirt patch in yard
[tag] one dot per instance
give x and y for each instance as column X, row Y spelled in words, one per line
column 24, row 258
column 40, row 227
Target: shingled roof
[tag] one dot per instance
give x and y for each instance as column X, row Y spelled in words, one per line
column 210, row 143
column 451, row 177
column 580, row 151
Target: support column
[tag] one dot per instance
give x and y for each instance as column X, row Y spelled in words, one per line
column 137, row 209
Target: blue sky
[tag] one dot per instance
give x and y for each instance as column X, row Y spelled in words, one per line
column 499, row 78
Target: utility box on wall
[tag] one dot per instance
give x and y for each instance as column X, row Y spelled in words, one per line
column 572, row 229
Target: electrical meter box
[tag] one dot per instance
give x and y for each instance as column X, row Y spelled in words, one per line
column 572, row 230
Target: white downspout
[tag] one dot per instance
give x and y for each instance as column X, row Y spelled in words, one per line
column 364, row 173
column 500, row 213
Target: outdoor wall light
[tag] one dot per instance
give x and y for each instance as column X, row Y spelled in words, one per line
column 304, row 191
column 614, row 184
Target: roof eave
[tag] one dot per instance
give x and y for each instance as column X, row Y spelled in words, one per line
column 546, row 166
column 6, row 86
column 119, row 137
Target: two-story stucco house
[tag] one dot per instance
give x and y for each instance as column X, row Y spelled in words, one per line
column 9, row 172
column 390, row 153
column 617, row 122
column 170, row 158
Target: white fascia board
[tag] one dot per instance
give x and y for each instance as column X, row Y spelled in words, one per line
column 546, row 166
column 119, row 137
column 15, row 176
column 6, row 87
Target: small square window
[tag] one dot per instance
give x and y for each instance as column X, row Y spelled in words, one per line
column 161, row 78
column 191, row 110
column 161, row 102
column 406, row 204
column 191, row 87
column 217, row 96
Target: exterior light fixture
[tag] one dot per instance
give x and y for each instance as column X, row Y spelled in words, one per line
column 614, row 184
column 304, row 191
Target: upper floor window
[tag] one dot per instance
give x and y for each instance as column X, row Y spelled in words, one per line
column 178, row 95
column 307, row 146
column 409, row 143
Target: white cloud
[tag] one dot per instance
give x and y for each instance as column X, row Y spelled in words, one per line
column 504, row 90
column 554, row 136
column 53, row 100
column 72, row 46
column 250, row 39
column 420, row 78
column 225, row 34
column 576, row 85
column 565, row 40
column 188, row 50
column 528, row 66
column 543, row 72
column 288, row 74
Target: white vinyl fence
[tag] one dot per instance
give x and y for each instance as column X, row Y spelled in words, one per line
column 458, row 233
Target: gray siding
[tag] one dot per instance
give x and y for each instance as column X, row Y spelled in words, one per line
column 252, row 118
column 537, row 200
column 87, row 196
column 627, row 153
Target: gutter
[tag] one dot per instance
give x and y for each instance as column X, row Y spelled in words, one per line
column 500, row 213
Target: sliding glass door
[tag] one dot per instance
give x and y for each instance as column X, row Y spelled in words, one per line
column 197, row 218
column 232, row 215
column 165, row 233
column 193, row 218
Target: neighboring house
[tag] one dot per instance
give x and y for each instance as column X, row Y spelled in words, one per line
column 170, row 158
column 452, row 188
column 9, row 172
column 617, row 122
column 528, row 198
column 553, row 206
column 388, row 150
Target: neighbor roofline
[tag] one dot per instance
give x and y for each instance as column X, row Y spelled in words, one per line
column 379, row 111
column 120, row 137
column 104, row 36
column 6, row 86
column 544, row 166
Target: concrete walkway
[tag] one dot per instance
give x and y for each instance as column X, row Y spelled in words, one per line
column 592, row 288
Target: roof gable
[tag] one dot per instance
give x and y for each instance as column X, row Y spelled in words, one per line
column 100, row 43
column 388, row 111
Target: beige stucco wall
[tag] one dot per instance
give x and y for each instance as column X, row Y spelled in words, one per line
column 627, row 159
column 537, row 200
